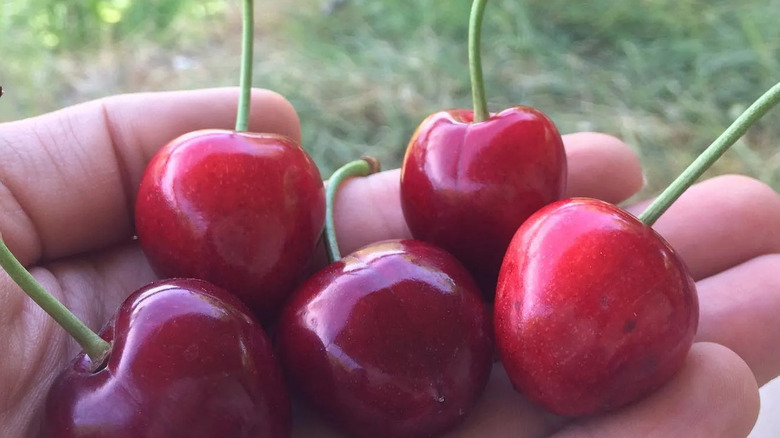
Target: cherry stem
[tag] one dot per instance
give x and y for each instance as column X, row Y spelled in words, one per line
column 96, row 348
column 363, row 167
column 247, row 49
column 711, row 154
column 475, row 61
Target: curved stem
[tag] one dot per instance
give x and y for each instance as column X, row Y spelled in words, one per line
column 95, row 347
column 711, row 154
column 247, row 48
column 362, row 167
column 475, row 61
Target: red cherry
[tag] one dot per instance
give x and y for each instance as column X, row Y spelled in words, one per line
column 188, row 360
column 243, row 211
column 467, row 187
column 390, row 341
column 593, row 309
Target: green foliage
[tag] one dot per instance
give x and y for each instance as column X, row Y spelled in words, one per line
column 85, row 24
column 666, row 76
column 47, row 45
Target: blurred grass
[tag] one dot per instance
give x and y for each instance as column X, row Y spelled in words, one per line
column 666, row 76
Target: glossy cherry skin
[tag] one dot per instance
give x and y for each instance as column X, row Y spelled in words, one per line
column 593, row 309
column 188, row 360
column 467, row 187
column 390, row 341
column 243, row 211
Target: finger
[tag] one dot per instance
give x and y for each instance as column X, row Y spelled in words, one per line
column 369, row 209
column 68, row 179
column 721, row 222
column 92, row 287
column 501, row 411
column 739, row 309
column 95, row 285
column 32, row 345
column 714, row 395
column 601, row 167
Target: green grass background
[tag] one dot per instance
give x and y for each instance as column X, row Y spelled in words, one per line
column 666, row 76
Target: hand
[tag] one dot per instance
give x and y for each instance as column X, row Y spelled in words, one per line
column 67, row 187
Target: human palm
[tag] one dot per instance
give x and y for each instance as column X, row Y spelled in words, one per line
column 67, row 187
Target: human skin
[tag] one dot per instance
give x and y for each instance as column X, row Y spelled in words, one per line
column 67, row 186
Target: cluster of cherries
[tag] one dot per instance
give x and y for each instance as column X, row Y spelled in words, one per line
column 592, row 309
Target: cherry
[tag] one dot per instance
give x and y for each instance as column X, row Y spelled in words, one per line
column 241, row 210
column 391, row 341
column 470, row 178
column 181, row 357
column 595, row 310
column 187, row 359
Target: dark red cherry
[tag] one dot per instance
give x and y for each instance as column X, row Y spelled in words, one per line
column 187, row 360
column 390, row 341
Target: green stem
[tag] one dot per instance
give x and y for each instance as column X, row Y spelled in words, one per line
column 475, row 61
column 95, row 347
column 247, row 49
column 710, row 155
column 362, row 167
